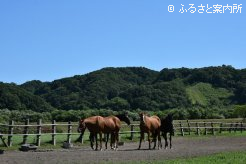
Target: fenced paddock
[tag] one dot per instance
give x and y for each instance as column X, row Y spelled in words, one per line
column 43, row 133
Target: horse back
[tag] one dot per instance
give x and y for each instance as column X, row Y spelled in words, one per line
column 112, row 123
column 155, row 121
column 166, row 125
column 94, row 123
column 150, row 123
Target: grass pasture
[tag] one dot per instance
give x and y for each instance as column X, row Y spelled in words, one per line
column 220, row 158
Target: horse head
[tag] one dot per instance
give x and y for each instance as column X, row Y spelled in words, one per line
column 82, row 127
column 170, row 118
column 124, row 117
column 142, row 116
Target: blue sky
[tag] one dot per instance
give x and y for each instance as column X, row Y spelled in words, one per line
column 51, row 39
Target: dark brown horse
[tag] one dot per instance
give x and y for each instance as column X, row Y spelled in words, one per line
column 150, row 125
column 167, row 127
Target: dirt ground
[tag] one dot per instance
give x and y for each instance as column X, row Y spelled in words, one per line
column 182, row 147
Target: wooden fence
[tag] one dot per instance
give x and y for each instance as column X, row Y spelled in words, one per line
column 198, row 128
column 181, row 128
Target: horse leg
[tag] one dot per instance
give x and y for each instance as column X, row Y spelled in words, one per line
column 149, row 140
column 165, row 137
column 170, row 139
column 100, row 138
column 159, row 140
column 112, row 140
column 154, row 139
column 92, row 135
column 116, row 140
column 106, row 141
column 96, row 141
column 141, row 137
column 114, row 137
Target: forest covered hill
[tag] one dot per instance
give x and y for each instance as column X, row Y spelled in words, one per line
column 131, row 88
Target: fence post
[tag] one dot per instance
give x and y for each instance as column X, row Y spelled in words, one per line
column 188, row 126
column 197, row 129
column 69, row 130
column 221, row 127
column 181, row 128
column 212, row 126
column 38, row 142
column 132, row 134
column 235, row 128
column 241, row 127
column 11, row 132
column 3, row 140
column 54, row 132
column 205, row 128
column 25, row 131
column 230, row 129
column 80, row 139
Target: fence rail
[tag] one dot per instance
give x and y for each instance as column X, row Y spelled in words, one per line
column 181, row 128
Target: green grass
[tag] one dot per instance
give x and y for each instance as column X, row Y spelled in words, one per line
column 45, row 141
column 221, row 158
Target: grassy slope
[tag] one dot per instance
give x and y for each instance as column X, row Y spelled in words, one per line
column 204, row 94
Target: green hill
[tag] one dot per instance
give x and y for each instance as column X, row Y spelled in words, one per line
column 131, row 88
column 14, row 97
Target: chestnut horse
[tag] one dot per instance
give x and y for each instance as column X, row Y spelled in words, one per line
column 95, row 125
column 98, row 125
column 150, row 125
column 167, row 127
column 123, row 117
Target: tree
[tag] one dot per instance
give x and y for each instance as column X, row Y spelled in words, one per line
column 240, row 111
column 117, row 104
